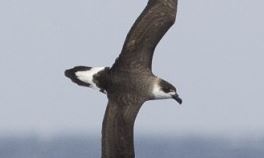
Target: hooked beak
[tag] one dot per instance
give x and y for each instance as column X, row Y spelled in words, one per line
column 177, row 98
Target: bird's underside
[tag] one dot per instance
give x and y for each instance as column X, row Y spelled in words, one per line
column 130, row 81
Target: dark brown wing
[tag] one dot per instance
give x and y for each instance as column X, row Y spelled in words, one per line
column 117, row 132
column 147, row 31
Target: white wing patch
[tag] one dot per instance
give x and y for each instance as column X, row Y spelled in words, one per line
column 87, row 76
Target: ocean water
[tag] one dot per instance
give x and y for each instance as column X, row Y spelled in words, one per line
column 146, row 147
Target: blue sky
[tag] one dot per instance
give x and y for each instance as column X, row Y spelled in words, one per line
column 213, row 54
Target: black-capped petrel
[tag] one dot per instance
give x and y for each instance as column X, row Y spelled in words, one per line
column 129, row 82
column 131, row 74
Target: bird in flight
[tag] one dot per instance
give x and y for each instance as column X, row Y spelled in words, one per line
column 131, row 74
column 129, row 82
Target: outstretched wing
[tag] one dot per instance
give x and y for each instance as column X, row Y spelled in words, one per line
column 147, row 31
column 121, row 112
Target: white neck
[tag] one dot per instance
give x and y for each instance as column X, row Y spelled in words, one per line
column 159, row 94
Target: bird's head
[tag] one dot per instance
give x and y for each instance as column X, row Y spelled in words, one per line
column 164, row 90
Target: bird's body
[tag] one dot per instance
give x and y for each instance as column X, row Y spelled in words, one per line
column 129, row 82
column 142, row 84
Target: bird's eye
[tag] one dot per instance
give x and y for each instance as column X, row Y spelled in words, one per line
column 170, row 90
column 167, row 90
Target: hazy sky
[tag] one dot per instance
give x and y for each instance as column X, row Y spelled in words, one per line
column 213, row 54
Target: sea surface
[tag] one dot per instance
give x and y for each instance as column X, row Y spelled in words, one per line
column 146, row 147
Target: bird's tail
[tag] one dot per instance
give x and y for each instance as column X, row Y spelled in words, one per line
column 92, row 77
